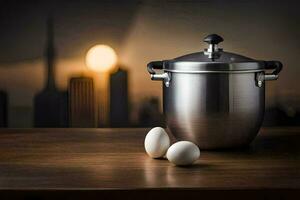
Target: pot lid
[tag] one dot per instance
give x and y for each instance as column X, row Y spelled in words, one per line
column 213, row 59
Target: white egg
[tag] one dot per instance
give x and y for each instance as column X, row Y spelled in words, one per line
column 183, row 153
column 157, row 142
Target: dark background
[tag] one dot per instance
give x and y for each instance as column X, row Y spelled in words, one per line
column 141, row 31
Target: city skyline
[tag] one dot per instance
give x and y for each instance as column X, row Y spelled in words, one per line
column 79, row 105
column 138, row 36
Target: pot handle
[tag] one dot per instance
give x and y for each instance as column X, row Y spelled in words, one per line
column 158, row 77
column 154, row 65
column 276, row 66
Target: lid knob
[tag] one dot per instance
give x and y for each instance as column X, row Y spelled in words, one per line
column 213, row 52
column 213, row 39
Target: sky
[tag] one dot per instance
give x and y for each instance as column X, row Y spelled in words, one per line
column 79, row 24
column 140, row 32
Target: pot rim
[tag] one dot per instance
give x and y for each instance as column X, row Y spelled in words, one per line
column 214, row 72
column 212, row 67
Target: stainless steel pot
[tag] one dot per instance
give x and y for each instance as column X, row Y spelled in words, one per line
column 214, row 98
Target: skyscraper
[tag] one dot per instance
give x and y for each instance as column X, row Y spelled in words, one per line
column 50, row 104
column 119, row 99
column 82, row 104
column 3, row 109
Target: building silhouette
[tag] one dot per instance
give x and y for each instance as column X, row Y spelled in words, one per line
column 50, row 105
column 282, row 115
column 149, row 113
column 82, row 103
column 118, row 91
column 3, row 109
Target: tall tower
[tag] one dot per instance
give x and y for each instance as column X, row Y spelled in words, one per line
column 50, row 105
column 50, row 56
column 119, row 99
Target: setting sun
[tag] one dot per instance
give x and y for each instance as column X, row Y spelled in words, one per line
column 101, row 58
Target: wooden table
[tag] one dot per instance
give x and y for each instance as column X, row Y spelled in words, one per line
column 112, row 163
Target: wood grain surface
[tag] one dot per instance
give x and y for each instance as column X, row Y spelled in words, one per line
column 114, row 159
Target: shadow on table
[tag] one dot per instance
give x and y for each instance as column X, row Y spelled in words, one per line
column 266, row 145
